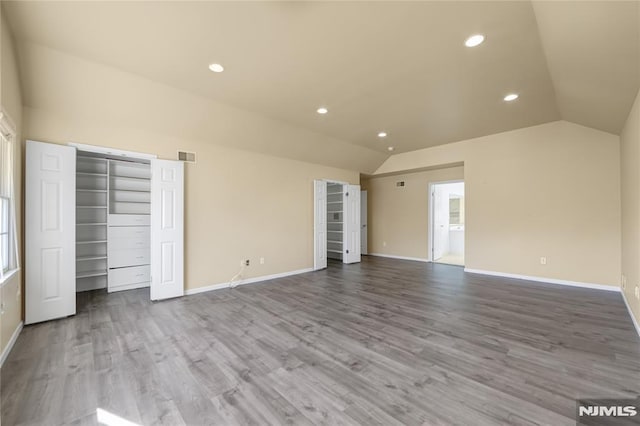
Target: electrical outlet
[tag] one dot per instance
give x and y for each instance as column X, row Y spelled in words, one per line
column 543, row 260
column 384, row 244
column 262, row 260
column 246, row 262
column 637, row 292
column 624, row 282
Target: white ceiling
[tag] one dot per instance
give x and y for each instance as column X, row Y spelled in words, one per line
column 400, row 67
column 593, row 56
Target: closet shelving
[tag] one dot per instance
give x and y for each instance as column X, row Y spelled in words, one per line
column 129, row 253
column 129, row 188
column 113, row 206
column 335, row 217
column 91, row 222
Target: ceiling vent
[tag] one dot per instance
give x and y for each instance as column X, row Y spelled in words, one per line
column 188, row 157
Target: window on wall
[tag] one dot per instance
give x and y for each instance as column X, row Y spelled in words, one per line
column 4, row 232
column 8, row 241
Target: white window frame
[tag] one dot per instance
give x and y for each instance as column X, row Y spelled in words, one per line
column 8, row 133
column 5, row 259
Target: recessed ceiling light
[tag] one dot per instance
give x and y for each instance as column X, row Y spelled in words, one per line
column 322, row 110
column 216, row 67
column 474, row 40
column 382, row 134
column 511, row 97
column 390, row 148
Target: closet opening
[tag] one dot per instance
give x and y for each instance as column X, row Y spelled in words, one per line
column 336, row 223
column 113, row 208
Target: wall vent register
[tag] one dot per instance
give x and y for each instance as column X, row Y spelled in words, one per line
column 188, row 157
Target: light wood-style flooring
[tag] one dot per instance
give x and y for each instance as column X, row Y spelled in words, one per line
column 384, row 342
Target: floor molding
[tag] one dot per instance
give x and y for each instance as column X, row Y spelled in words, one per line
column 604, row 287
column 391, row 256
column 633, row 318
column 246, row 281
column 12, row 342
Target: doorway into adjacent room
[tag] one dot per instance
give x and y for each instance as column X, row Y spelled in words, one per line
column 447, row 222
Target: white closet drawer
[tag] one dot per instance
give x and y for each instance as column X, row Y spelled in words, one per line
column 129, row 232
column 129, row 237
column 125, row 276
column 129, row 219
column 128, row 257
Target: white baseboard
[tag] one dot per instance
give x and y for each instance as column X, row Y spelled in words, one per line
column 605, row 287
column 633, row 318
column 246, row 281
column 12, row 342
column 391, row 256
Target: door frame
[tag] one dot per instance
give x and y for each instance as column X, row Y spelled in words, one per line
column 430, row 219
column 111, row 151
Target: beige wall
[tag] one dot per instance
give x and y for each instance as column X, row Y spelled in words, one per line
column 11, row 99
column 630, row 183
column 551, row 190
column 239, row 204
column 398, row 217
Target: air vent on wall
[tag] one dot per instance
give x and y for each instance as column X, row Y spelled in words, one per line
column 189, row 157
column 401, row 183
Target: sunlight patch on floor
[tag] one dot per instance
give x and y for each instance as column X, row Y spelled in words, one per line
column 110, row 419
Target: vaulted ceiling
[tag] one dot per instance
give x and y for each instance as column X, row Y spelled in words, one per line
column 397, row 67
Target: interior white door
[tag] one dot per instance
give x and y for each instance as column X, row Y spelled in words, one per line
column 319, row 224
column 351, row 230
column 440, row 222
column 50, row 232
column 364, row 238
column 167, row 229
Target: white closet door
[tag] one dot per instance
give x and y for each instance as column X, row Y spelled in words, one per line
column 167, row 229
column 351, row 206
column 50, row 232
column 319, row 224
column 364, row 242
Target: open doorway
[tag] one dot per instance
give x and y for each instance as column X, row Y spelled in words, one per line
column 447, row 222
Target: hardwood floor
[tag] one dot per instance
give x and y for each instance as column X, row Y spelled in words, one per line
column 382, row 342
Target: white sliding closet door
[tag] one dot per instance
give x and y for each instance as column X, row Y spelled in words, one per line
column 167, row 229
column 319, row 224
column 351, row 206
column 50, row 232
